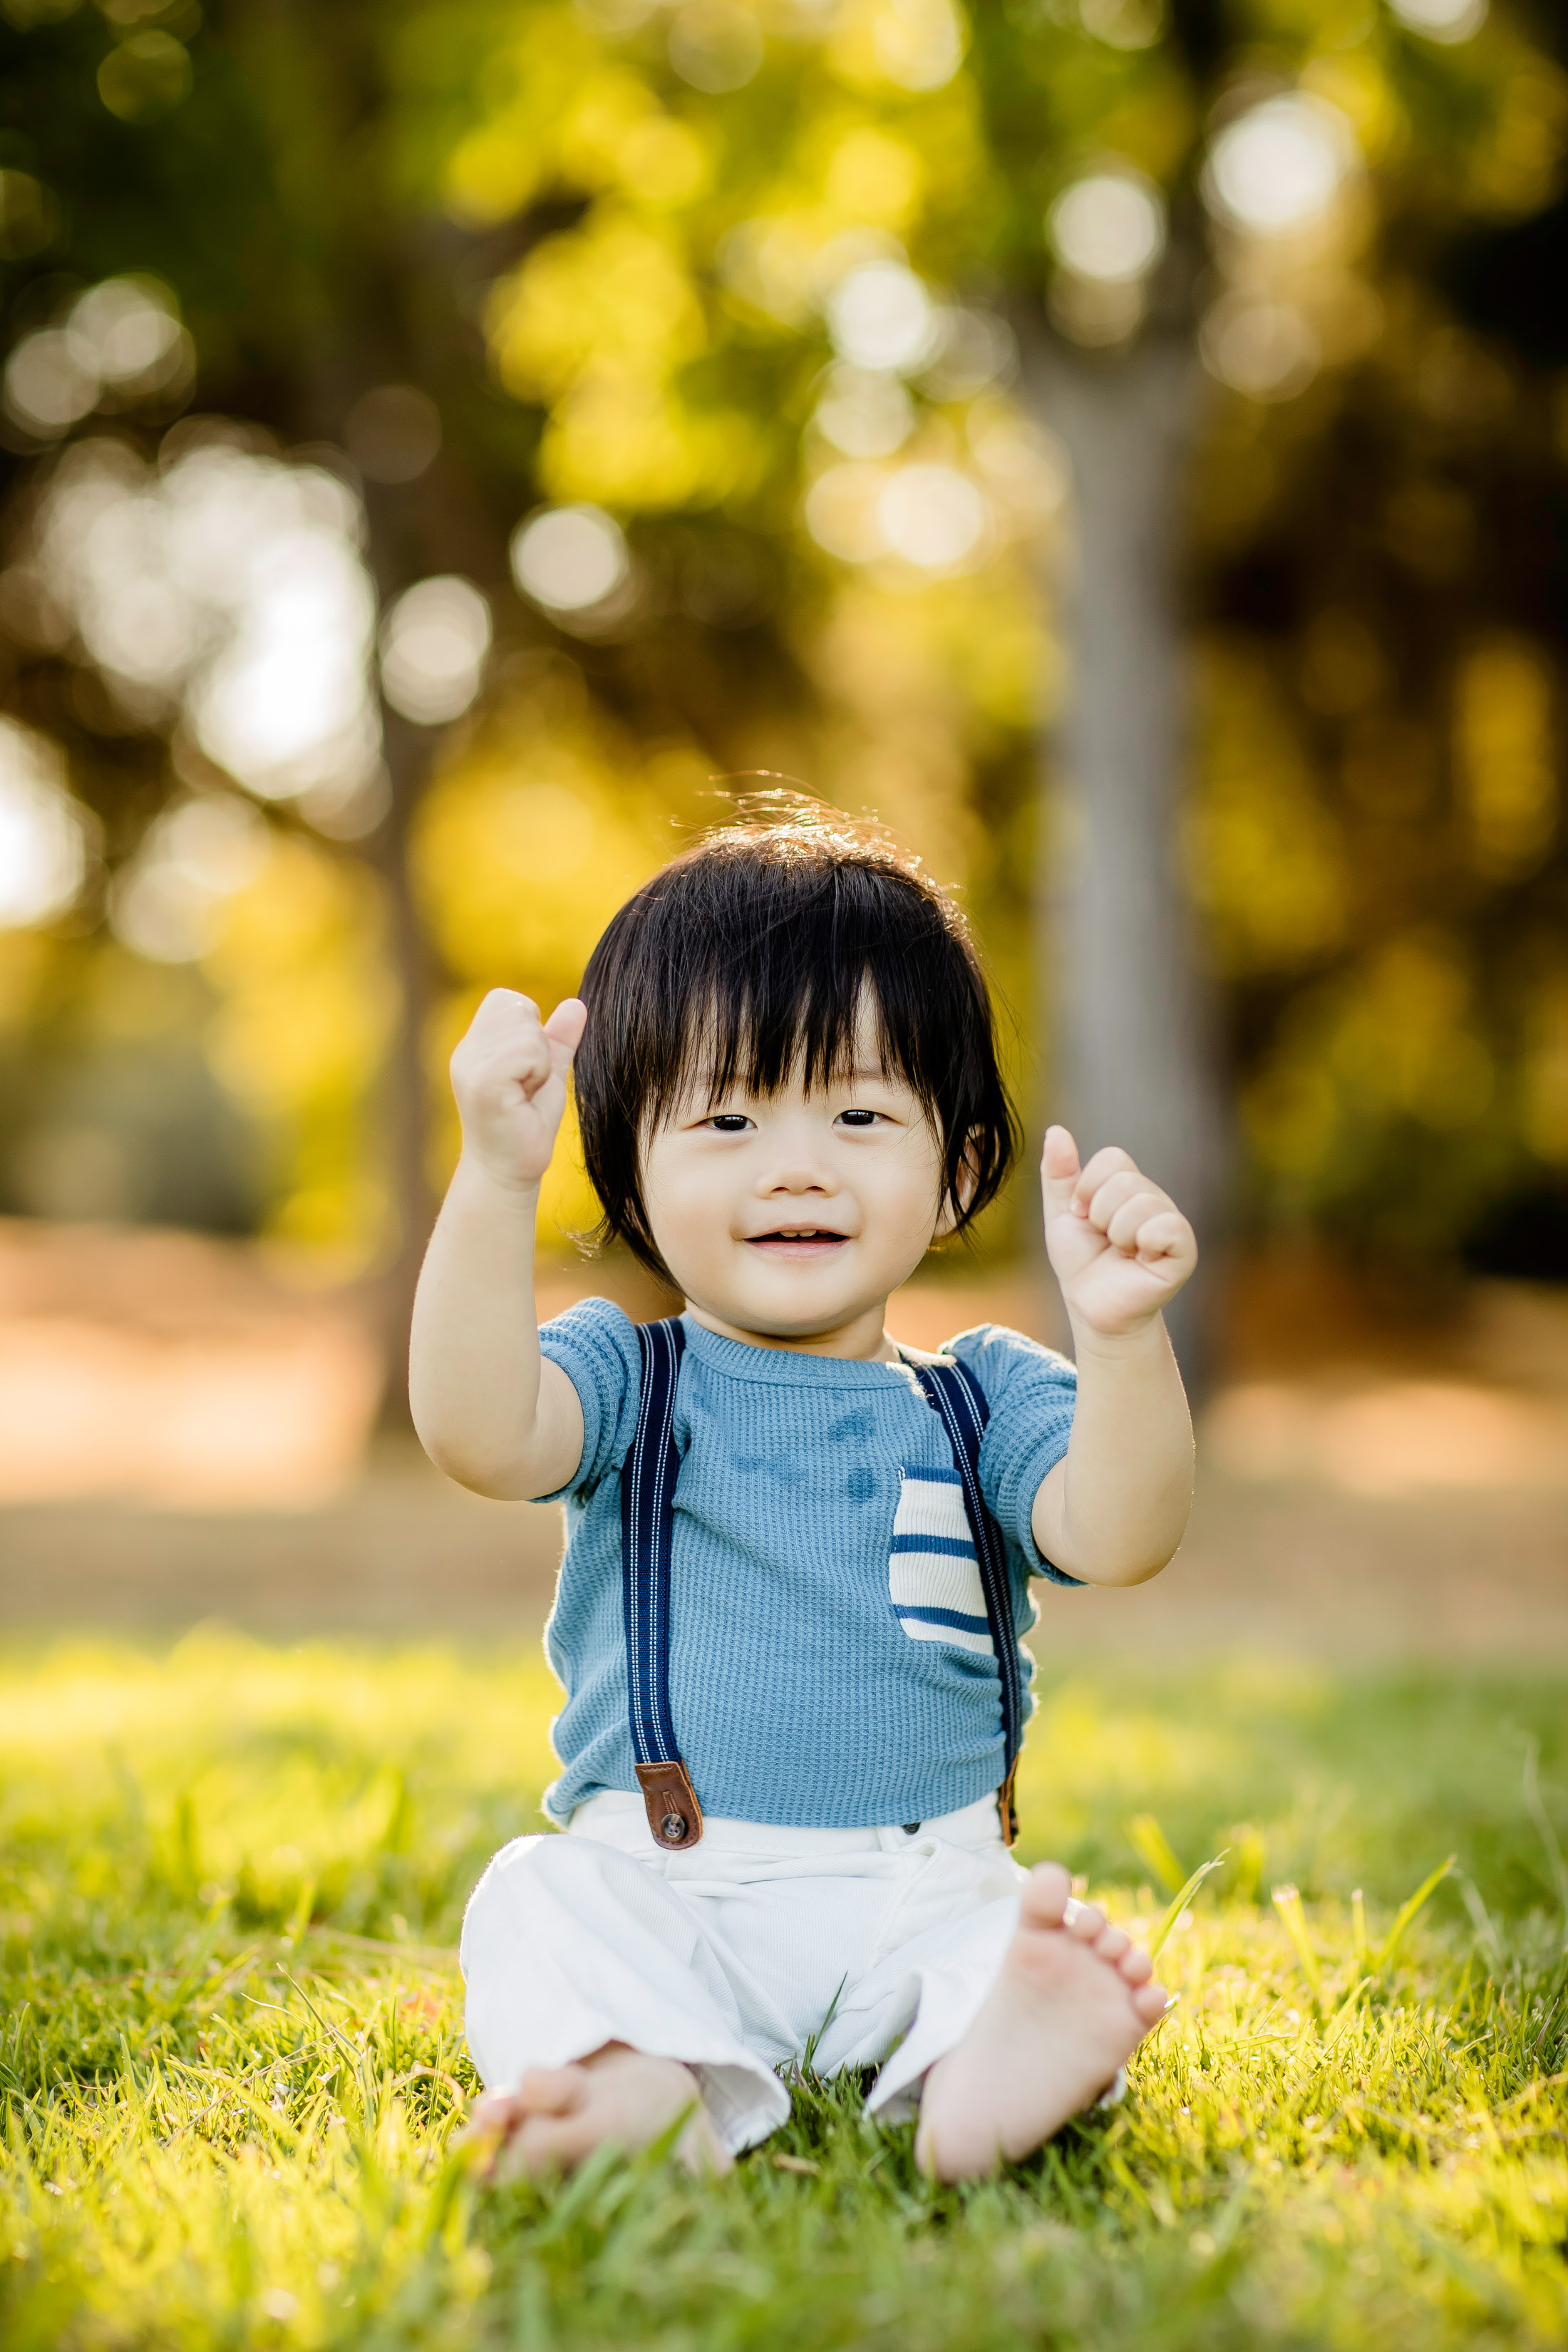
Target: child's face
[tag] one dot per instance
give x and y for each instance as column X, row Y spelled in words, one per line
column 792, row 1215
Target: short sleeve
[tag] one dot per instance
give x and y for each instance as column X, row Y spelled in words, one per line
column 1031, row 1392
column 595, row 1345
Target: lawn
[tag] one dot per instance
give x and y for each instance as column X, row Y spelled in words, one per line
column 231, row 1878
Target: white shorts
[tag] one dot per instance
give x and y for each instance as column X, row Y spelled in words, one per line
column 734, row 1958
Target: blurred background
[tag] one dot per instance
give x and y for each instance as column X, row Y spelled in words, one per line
column 451, row 451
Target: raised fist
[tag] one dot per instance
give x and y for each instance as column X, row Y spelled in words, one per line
column 510, row 1075
column 1120, row 1248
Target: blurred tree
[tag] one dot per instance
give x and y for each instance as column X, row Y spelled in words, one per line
column 685, row 338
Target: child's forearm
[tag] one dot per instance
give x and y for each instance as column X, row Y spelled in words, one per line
column 1115, row 1508
column 489, row 1410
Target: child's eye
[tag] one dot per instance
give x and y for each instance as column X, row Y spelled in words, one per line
column 858, row 1118
column 729, row 1122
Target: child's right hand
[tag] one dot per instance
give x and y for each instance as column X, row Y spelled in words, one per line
column 509, row 1075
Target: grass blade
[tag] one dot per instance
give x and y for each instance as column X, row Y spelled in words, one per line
column 1407, row 1912
column 1287, row 1903
column 1150, row 1844
column 1163, row 1932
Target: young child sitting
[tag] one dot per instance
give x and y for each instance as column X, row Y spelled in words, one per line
column 798, row 1556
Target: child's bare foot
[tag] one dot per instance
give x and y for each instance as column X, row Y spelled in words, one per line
column 1072, row 2002
column 559, row 2114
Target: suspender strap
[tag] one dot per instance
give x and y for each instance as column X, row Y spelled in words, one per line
column 956, row 1396
column 648, row 1495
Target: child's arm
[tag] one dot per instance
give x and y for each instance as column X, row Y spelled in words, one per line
column 1114, row 1509
column 488, row 1409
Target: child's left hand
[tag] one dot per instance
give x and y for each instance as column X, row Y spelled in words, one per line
column 1120, row 1248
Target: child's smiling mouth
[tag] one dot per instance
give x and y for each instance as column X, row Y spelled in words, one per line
column 798, row 1242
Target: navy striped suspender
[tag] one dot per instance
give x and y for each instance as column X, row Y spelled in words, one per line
column 647, row 1497
column 955, row 1396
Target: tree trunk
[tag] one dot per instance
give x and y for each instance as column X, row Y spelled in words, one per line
column 1132, row 1060
column 406, row 1121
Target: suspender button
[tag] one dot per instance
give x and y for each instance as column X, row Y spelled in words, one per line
column 672, row 1829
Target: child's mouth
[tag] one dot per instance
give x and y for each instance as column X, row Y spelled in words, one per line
column 804, row 1241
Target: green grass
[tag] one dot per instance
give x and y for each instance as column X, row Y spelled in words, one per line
column 231, row 2055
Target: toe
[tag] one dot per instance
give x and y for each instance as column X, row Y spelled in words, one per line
column 1086, row 1921
column 1111, row 1944
column 1136, row 1967
column 1150, row 2002
column 542, row 2145
column 493, row 2111
column 550, row 2090
column 1046, row 1895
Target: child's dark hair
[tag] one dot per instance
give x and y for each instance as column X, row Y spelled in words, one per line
column 756, row 951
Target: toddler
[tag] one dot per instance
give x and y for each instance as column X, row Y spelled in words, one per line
column 798, row 1556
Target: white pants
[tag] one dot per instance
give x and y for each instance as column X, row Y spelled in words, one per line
column 732, row 1957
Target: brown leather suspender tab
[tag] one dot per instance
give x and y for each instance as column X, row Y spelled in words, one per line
column 674, row 1815
column 1007, row 1805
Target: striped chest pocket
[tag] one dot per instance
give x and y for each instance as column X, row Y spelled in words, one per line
column 933, row 1577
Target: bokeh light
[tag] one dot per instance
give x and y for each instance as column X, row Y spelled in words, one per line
column 1278, row 168
column 715, row 45
column 432, row 646
column 1264, row 349
column 228, row 582
column 1110, row 226
column 120, row 342
column 919, row 43
column 1123, row 24
column 1441, row 20
column 570, row 559
column 974, row 348
column 394, row 432
column 880, row 316
column 934, row 516
column 167, row 904
column 864, row 413
column 43, row 832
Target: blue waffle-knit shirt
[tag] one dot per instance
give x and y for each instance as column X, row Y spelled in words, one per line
column 828, row 1669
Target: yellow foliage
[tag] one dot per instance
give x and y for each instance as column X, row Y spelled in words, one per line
column 614, row 293
column 23, row 967
column 619, row 437
column 875, row 177
column 1515, row 172
column 1505, row 755
column 915, row 45
column 1545, row 1104
column 306, row 1009
column 523, row 850
column 1398, row 1036
column 661, row 161
column 1352, row 78
column 1264, row 857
